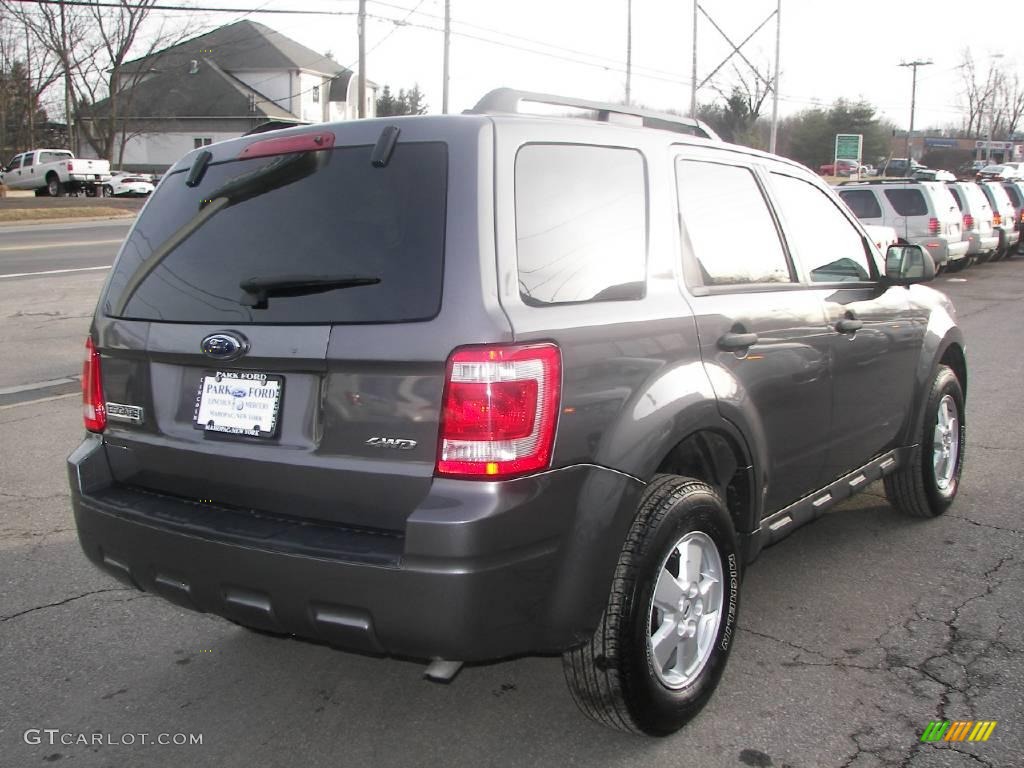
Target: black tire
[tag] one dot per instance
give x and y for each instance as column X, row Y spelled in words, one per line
column 956, row 266
column 53, row 186
column 108, row 191
column 41, row 192
column 913, row 489
column 612, row 678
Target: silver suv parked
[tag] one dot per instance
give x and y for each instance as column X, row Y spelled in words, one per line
column 465, row 387
column 921, row 212
column 1003, row 217
column 982, row 238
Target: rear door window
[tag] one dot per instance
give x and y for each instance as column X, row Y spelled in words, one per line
column 581, row 223
column 956, row 196
column 712, row 198
column 1013, row 194
column 907, row 202
column 336, row 216
column 29, row 160
column 862, row 202
column 830, row 246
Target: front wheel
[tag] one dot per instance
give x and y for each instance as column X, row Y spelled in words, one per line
column 929, row 482
column 665, row 636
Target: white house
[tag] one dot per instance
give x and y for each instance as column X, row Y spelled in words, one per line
column 221, row 85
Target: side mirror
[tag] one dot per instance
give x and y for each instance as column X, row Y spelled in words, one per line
column 908, row 264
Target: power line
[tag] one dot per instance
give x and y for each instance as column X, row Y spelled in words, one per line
column 186, row 8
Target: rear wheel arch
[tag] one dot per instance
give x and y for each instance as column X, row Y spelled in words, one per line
column 722, row 460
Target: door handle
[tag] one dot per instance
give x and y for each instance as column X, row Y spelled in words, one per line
column 849, row 325
column 736, row 341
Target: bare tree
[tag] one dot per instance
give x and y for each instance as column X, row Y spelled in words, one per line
column 1011, row 104
column 979, row 96
column 92, row 44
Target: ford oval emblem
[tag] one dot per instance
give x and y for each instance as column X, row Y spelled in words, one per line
column 224, row 346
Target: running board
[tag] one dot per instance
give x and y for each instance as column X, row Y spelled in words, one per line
column 779, row 525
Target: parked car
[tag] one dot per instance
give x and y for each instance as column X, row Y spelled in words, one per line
column 922, row 212
column 933, row 174
column 983, row 239
column 997, row 172
column 130, row 186
column 1015, row 191
column 897, row 166
column 55, row 172
column 435, row 397
column 840, row 168
column 1003, row 220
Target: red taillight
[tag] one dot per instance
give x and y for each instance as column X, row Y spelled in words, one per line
column 71, row 166
column 500, row 410
column 94, row 409
column 933, row 226
column 997, row 219
column 968, row 221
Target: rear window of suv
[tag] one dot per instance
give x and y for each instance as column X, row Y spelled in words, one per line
column 907, row 202
column 334, row 216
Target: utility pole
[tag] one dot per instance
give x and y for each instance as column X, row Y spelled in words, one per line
column 913, row 98
column 775, row 86
column 447, row 51
column 69, row 116
column 30, row 95
column 693, row 71
column 362, row 59
column 629, row 47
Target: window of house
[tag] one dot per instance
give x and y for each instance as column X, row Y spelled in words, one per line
column 907, row 202
column 581, row 223
column 713, row 200
column 316, row 94
column 829, row 245
column 201, row 142
column 862, row 202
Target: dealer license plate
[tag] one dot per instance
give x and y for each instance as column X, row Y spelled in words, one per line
column 238, row 403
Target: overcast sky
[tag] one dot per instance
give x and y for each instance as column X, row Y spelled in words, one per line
column 830, row 48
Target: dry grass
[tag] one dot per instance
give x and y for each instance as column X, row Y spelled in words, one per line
column 46, row 214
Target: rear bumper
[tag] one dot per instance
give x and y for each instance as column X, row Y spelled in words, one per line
column 482, row 570
column 980, row 243
column 942, row 250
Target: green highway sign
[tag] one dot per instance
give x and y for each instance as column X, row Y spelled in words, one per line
column 848, row 146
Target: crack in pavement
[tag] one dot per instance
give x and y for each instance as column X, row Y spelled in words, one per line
column 63, row 602
column 957, row 648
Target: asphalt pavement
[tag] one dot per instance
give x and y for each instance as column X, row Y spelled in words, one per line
column 855, row 632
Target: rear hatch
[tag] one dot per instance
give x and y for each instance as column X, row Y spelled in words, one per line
column 274, row 314
column 946, row 211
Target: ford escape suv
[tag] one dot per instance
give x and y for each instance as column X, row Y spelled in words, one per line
column 467, row 387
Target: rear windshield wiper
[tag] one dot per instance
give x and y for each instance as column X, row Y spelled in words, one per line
column 258, row 289
column 280, row 172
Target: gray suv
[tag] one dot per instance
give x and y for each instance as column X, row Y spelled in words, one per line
column 467, row 387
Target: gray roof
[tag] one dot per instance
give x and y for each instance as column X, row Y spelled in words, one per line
column 210, row 92
column 239, row 46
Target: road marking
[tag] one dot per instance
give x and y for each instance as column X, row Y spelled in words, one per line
column 80, row 244
column 51, row 272
column 40, row 400
column 38, row 385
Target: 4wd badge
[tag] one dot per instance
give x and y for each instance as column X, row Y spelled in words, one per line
column 391, row 442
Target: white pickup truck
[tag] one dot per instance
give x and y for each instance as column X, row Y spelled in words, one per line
column 55, row 172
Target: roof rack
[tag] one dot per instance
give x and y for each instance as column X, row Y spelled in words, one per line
column 906, row 180
column 508, row 101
